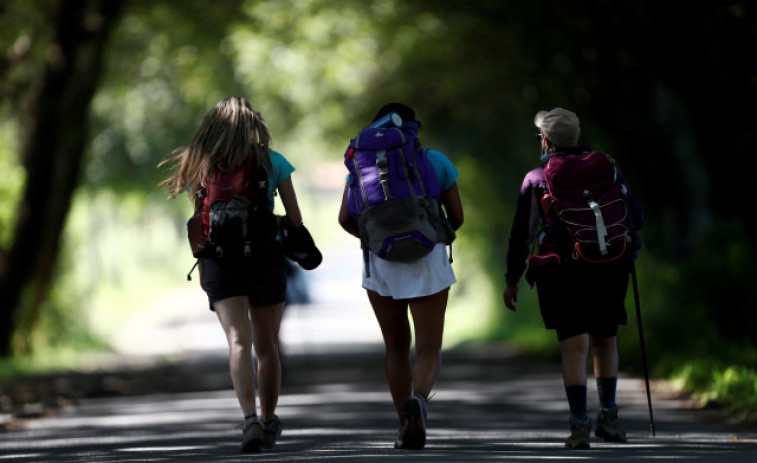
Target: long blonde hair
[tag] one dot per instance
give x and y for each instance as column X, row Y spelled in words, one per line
column 230, row 133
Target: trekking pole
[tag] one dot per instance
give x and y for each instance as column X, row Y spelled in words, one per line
column 641, row 343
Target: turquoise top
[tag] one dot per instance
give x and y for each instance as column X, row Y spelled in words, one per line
column 282, row 169
column 444, row 169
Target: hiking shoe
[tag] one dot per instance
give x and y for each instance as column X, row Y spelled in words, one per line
column 271, row 430
column 412, row 434
column 579, row 434
column 400, row 434
column 252, row 437
column 607, row 426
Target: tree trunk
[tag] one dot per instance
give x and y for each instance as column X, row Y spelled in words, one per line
column 54, row 145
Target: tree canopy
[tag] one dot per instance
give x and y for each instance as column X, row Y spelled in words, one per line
column 666, row 90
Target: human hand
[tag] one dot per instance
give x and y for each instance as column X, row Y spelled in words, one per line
column 511, row 296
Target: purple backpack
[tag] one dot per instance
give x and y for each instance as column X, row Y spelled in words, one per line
column 587, row 204
column 394, row 194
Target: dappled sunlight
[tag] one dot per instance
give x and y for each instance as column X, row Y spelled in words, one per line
column 489, row 405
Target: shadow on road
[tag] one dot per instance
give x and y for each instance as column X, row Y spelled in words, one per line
column 491, row 404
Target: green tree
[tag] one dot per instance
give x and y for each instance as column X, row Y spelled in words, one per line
column 53, row 144
column 665, row 90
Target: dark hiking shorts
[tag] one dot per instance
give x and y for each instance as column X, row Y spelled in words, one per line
column 261, row 278
column 577, row 299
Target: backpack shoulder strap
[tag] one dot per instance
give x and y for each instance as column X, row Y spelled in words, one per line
column 419, row 149
column 534, row 217
column 257, row 180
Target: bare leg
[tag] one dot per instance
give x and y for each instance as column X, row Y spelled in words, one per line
column 395, row 328
column 574, row 353
column 232, row 313
column 428, row 320
column 266, row 322
column 605, row 357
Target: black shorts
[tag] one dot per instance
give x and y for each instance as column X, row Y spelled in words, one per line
column 584, row 298
column 261, row 278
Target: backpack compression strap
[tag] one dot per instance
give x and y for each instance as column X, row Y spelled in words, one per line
column 383, row 166
column 383, row 172
column 601, row 228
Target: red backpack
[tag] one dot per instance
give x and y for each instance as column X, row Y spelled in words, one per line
column 231, row 217
column 587, row 205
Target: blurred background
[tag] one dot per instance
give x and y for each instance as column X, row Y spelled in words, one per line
column 95, row 93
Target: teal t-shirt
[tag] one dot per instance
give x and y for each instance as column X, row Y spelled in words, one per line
column 444, row 169
column 282, row 169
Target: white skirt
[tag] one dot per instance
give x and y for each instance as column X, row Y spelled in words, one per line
column 424, row 277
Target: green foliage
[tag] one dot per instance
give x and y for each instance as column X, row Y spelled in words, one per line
column 127, row 248
column 737, row 386
column 733, row 387
column 165, row 69
column 51, row 360
column 23, row 34
column 12, row 184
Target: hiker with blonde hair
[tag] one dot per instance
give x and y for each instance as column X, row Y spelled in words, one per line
column 246, row 288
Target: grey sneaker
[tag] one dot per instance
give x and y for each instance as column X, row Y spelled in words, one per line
column 607, row 426
column 412, row 434
column 252, row 437
column 579, row 434
column 271, row 430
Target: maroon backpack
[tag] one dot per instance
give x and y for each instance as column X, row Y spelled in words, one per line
column 586, row 206
column 231, row 217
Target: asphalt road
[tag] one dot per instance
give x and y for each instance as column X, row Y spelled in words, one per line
column 490, row 404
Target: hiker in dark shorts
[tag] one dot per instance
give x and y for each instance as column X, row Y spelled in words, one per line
column 423, row 286
column 582, row 302
column 247, row 293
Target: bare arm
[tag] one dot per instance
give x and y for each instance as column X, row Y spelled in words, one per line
column 453, row 205
column 345, row 219
column 510, row 296
column 289, row 198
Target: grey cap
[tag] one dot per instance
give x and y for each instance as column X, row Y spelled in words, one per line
column 560, row 126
